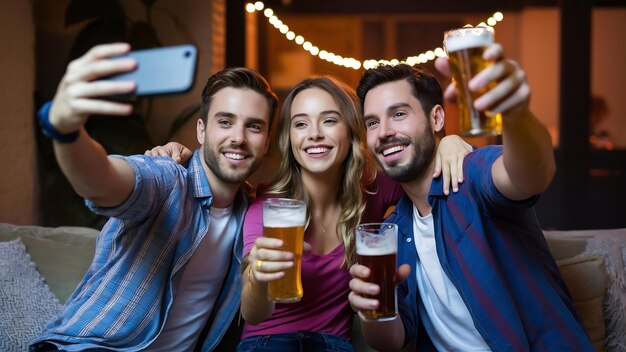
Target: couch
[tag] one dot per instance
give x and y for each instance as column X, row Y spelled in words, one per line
column 52, row 261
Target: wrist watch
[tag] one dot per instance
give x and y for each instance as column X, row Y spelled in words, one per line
column 49, row 131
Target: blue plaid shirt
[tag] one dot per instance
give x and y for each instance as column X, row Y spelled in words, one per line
column 123, row 300
column 494, row 252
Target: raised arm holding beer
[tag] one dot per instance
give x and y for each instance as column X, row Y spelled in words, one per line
column 477, row 271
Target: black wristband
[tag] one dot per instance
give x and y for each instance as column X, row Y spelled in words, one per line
column 49, row 130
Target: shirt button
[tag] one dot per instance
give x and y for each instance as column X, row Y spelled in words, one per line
column 408, row 239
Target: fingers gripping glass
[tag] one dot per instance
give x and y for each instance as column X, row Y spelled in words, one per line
column 376, row 247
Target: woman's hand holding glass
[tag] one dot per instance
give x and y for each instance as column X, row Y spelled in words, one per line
column 267, row 262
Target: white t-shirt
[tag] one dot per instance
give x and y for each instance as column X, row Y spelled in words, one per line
column 198, row 284
column 451, row 326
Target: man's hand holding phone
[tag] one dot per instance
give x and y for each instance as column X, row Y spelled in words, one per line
column 99, row 81
column 82, row 91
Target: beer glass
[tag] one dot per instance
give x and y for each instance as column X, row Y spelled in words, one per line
column 376, row 245
column 465, row 47
column 284, row 219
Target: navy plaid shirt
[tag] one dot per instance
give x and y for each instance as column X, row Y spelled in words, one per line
column 494, row 252
column 122, row 302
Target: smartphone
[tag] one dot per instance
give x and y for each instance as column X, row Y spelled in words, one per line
column 161, row 71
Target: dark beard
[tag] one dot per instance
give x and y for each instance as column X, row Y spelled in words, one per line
column 423, row 151
column 212, row 161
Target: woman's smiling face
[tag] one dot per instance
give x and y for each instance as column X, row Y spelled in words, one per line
column 320, row 139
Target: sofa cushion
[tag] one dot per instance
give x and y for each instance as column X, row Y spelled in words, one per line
column 562, row 248
column 611, row 245
column 26, row 303
column 586, row 278
column 62, row 254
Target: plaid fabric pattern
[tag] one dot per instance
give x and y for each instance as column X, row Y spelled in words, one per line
column 123, row 300
column 494, row 252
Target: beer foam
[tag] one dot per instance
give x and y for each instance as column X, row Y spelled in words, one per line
column 468, row 38
column 284, row 217
column 378, row 251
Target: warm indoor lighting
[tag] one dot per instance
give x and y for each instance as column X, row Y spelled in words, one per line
column 350, row 62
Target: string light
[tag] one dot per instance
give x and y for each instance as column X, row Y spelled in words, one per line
column 351, row 62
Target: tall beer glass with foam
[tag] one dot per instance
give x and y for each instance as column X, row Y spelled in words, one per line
column 284, row 219
column 376, row 247
column 465, row 47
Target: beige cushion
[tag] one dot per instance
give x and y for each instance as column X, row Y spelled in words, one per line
column 586, row 279
column 562, row 248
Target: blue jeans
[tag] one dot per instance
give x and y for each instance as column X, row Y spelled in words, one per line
column 301, row 341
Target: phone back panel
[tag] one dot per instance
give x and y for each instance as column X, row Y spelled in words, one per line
column 166, row 70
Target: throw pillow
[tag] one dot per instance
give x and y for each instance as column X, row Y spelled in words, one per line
column 26, row 303
column 62, row 254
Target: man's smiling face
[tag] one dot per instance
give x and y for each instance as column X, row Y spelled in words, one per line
column 235, row 138
column 398, row 131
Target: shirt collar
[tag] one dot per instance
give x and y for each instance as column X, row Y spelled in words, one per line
column 436, row 187
column 201, row 187
column 198, row 178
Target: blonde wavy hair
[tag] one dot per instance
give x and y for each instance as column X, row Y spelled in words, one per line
column 358, row 172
